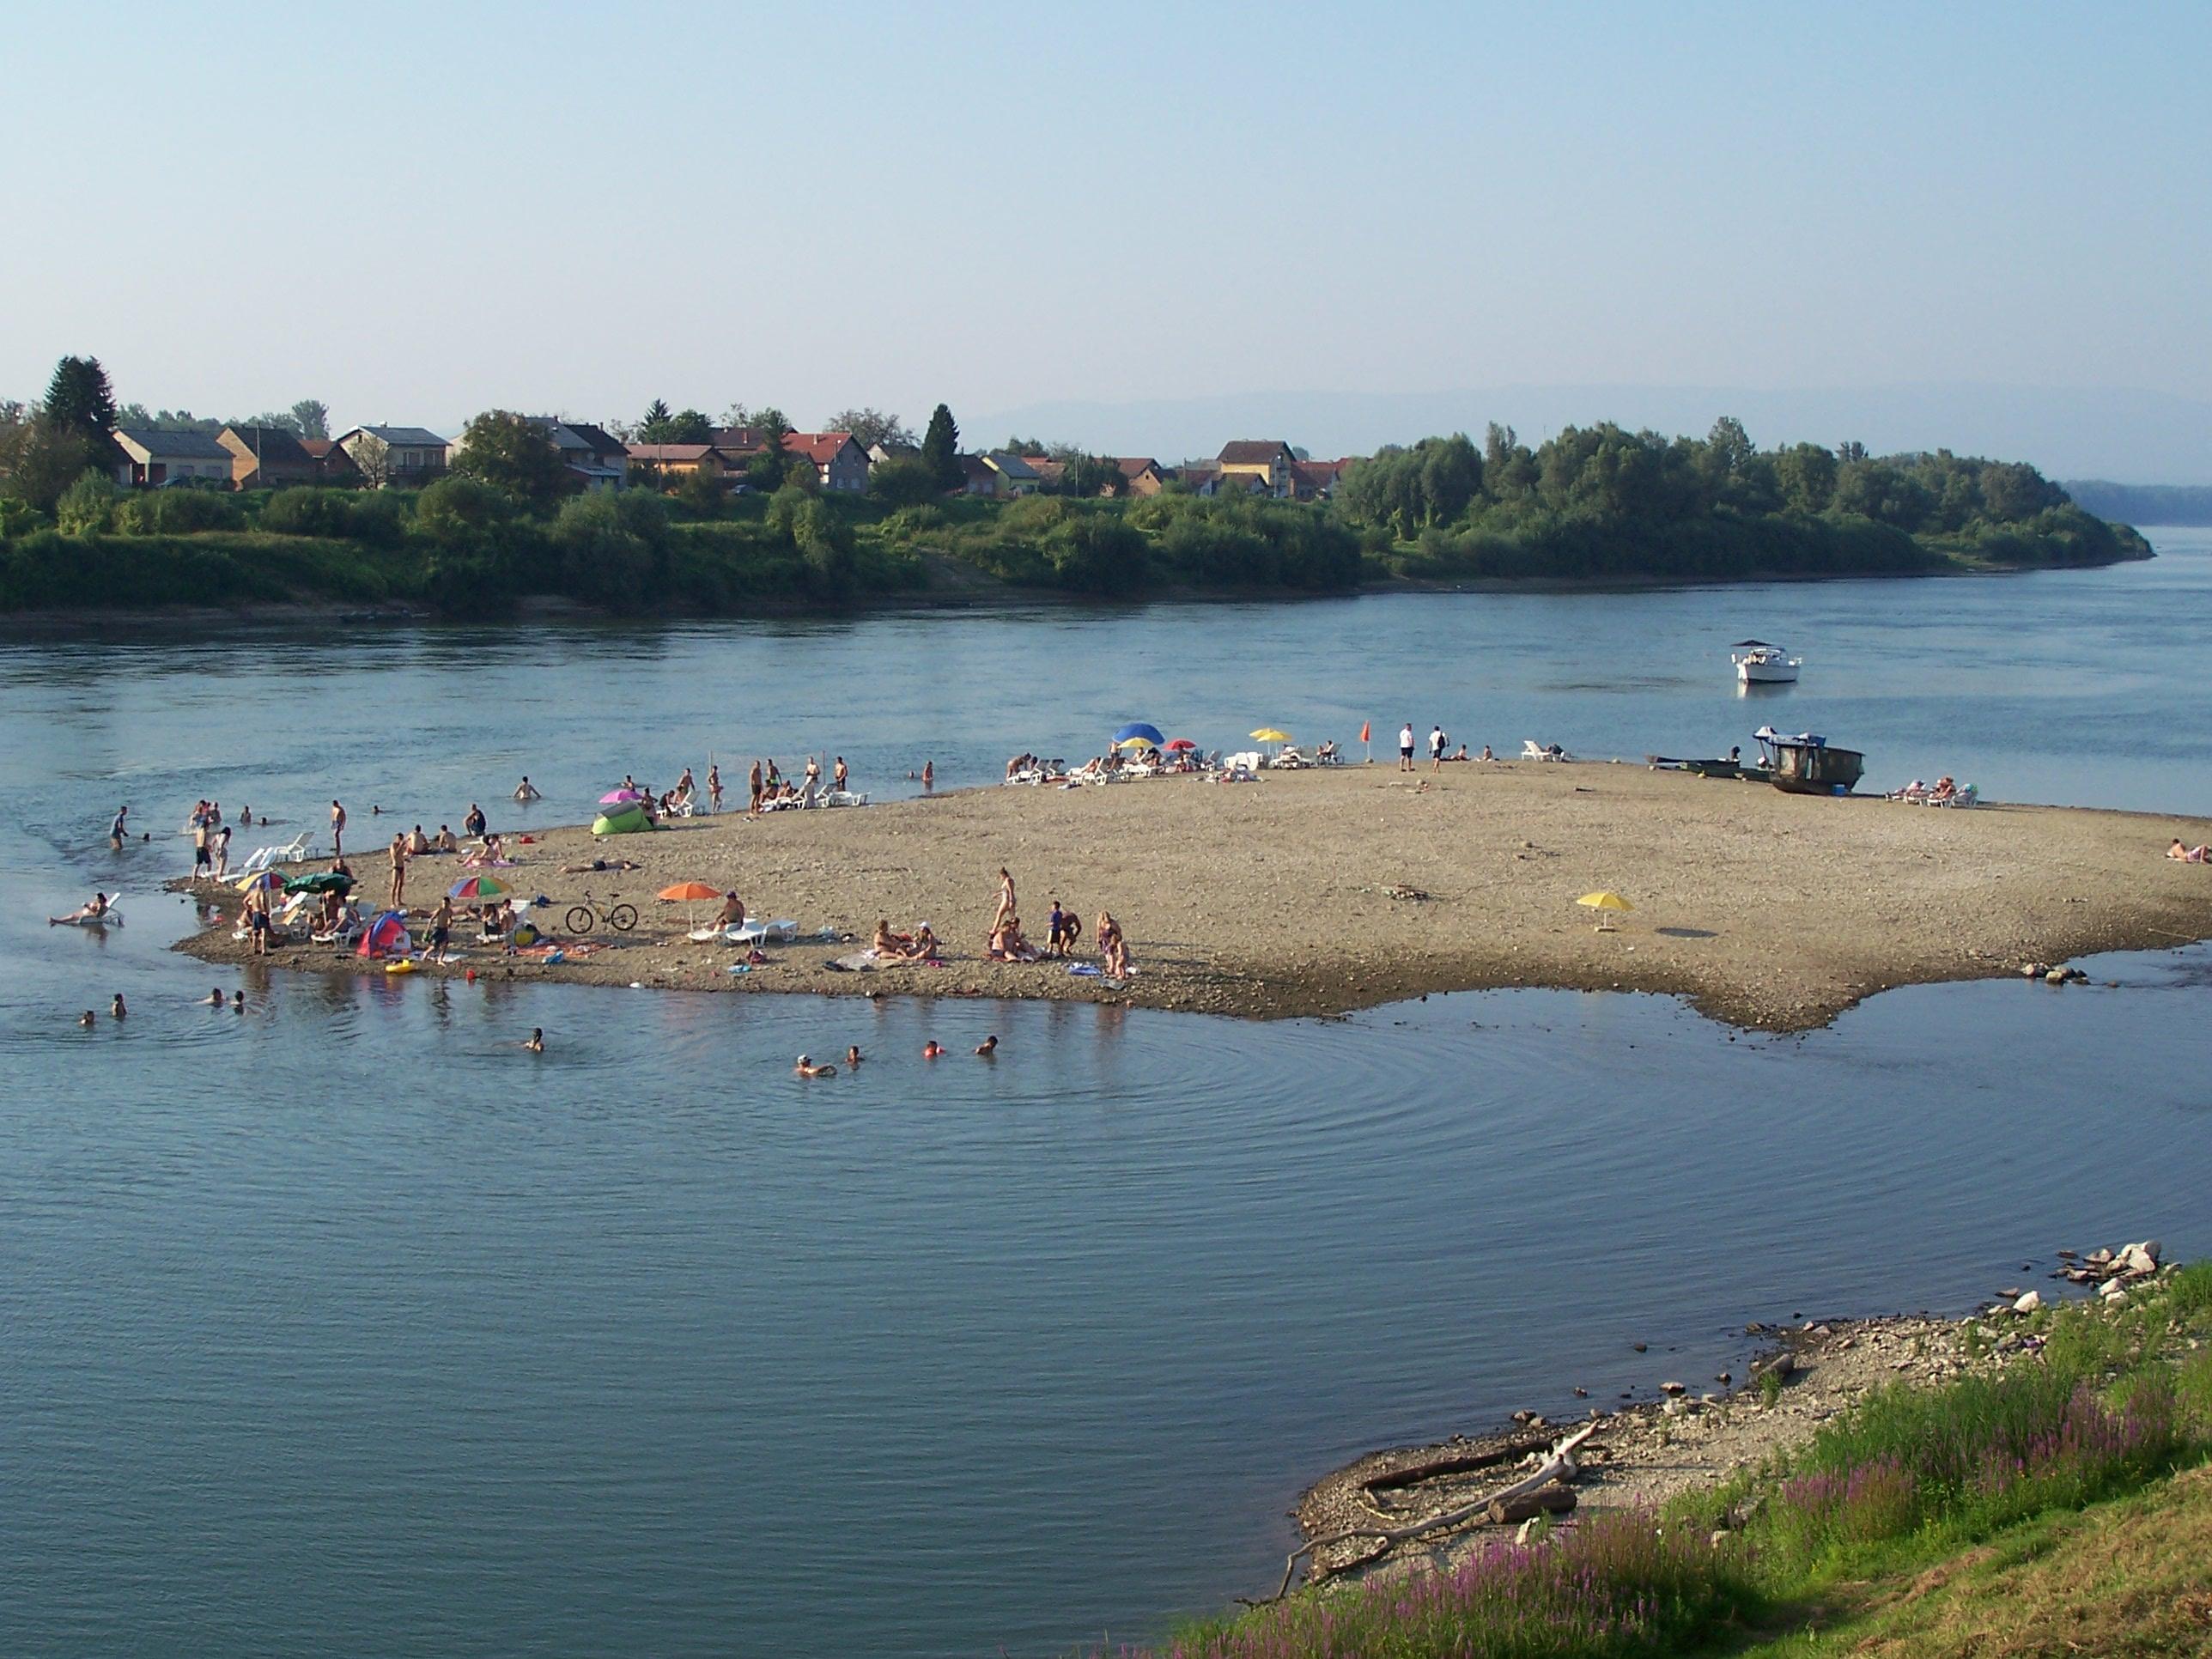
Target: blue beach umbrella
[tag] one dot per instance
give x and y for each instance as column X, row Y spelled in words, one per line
column 1139, row 732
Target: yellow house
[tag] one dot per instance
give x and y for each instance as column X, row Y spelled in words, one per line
column 1271, row 464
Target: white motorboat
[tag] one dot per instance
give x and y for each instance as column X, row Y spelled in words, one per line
column 1758, row 663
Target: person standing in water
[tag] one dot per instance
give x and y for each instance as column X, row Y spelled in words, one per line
column 117, row 829
column 536, row 1042
column 714, row 788
column 337, row 831
column 928, row 775
column 525, row 791
column 753, row 787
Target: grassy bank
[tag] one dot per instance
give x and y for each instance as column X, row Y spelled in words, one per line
column 2052, row 1484
column 463, row 547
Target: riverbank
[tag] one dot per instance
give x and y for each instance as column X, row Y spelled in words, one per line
column 1323, row 891
column 1862, row 1456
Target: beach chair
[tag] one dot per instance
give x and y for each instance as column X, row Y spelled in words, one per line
column 294, row 851
column 1532, row 750
column 1970, row 796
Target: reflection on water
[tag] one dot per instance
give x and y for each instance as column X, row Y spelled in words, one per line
column 344, row 1314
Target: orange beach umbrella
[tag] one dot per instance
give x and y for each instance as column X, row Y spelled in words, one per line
column 688, row 893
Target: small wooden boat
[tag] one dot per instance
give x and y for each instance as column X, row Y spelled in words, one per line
column 1809, row 765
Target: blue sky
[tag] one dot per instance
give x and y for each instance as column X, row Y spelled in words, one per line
column 414, row 212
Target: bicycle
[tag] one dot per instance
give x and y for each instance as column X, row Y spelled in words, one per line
column 583, row 918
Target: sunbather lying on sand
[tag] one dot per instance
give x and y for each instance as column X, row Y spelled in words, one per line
column 595, row 866
column 2188, row 854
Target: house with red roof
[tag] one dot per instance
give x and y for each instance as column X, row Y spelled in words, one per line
column 841, row 464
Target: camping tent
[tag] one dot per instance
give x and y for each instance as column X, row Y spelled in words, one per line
column 620, row 821
column 387, row 936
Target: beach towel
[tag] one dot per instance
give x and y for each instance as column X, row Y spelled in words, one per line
column 859, row 962
column 1085, row 969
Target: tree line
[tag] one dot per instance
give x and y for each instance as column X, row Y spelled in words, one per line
column 1602, row 499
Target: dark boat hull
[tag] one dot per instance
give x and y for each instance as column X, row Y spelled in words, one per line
column 1817, row 771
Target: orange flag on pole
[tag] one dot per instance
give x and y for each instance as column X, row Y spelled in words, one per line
column 1364, row 725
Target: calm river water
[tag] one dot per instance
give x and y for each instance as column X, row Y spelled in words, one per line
column 344, row 1324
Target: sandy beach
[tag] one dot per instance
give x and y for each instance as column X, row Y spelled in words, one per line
column 1322, row 892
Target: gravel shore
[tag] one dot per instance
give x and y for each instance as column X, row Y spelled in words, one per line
column 1322, row 892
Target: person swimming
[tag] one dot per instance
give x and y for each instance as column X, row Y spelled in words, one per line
column 806, row 1067
column 932, row 1049
column 88, row 1019
column 852, row 1055
column 988, row 1047
column 238, row 1002
column 536, row 1043
column 215, row 998
column 116, row 1010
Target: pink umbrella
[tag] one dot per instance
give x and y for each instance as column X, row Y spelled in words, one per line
column 619, row 797
column 1180, row 744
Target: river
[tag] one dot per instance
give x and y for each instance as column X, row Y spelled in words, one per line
column 343, row 1323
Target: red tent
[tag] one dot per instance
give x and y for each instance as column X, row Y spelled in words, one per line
column 387, row 936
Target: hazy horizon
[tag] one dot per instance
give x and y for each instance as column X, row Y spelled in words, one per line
column 545, row 209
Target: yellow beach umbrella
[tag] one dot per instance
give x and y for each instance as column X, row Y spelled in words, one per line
column 1268, row 734
column 1602, row 903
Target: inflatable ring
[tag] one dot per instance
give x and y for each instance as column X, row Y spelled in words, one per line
column 402, row 966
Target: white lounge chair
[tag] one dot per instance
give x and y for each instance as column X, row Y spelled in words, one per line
column 298, row 850
column 1532, row 750
column 763, row 933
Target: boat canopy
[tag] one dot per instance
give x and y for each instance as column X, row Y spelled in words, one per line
column 1755, row 645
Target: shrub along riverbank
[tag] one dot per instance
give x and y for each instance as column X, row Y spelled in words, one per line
column 2112, row 1402
column 1596, row 504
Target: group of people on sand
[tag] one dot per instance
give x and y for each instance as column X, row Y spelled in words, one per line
column 932, row 1049
column 1005, row 941
column 766, row 789
column 1438, row 743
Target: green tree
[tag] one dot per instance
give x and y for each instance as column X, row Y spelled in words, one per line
column 689, row 426
column 702, row 493
column 825, row 541
column 52, row 458
column 86, row 507
column 311, row 418
column 940, row 448
column 1091, row 474
column 771, row 426
column 462, row 508
column 514, row 453
column 1807, row 475
column 871, row 427
column 904, row 481
column 79, row 398
column 654, row 428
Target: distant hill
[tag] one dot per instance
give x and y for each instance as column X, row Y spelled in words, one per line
column 2140, row 504
column 2067, row 432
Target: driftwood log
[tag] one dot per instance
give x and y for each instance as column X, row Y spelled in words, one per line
column 1559, row 1465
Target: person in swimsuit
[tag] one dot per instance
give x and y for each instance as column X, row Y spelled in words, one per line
column 418, row 843
column 853, row 1056
column 215, row 998
column 473, row 824
column 808, row 1069
column 115, row 830
column 525, row 791
column 734, row 911
column 837, row 776
column 97, row 906
column 88, row 1019
column 442, row 924
column 928, row 775
column 202, row 861
column 116, row 1010
column 256, row 921
column 238, row 1002
column 222, row 851
column 754, row 790
column 886, row 943
column 1005, row 898
column 337, row 830
column 399, row 871
column 536, row 1043
column 930, row 1050
column 924, row 944
column 988, row 1047
column 714, row 788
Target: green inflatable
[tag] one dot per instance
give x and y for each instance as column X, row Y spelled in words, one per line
column 623, row 821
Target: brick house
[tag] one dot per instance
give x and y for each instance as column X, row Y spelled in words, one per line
column 267, row 458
